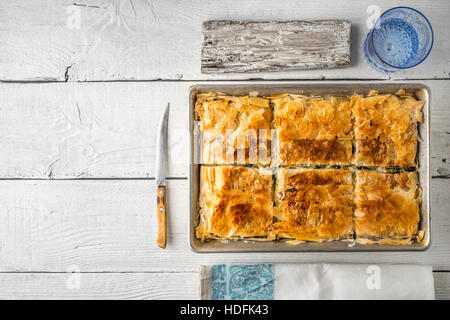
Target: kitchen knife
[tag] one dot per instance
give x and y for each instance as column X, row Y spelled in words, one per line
column 161, row 159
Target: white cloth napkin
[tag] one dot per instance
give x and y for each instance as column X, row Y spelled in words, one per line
column 316, row 281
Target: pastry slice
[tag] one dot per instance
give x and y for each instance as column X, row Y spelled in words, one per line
column 234, row 130
column 235, row 202
column 387, row 207
column 313, row 205
column 313, row 130
column 385, row 129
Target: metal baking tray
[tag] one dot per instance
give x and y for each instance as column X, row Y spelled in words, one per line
column 421, row 91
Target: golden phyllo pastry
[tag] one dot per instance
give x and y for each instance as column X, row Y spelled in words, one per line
column 234, row 129
column 329, row 165
column 387, row 207
column 313, row 130
column 235, row 202
column 313, row 205
column 385, row 129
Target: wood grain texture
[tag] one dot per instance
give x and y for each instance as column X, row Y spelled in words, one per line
column 442, row 285
column 85, row 130
column 161, row 238
column 104, row 130
column 124, row 286
column 274, row 46
column 110, row 225
column 133, row 286
column 161, row 39
column 108, row 130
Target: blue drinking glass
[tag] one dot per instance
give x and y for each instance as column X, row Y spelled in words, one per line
column 402, row 38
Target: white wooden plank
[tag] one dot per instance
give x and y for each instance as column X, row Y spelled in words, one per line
column 147, row 40
column 124, row 286
column 104, row 225
column 89, row 129
column 99, row 286
column 104, row 130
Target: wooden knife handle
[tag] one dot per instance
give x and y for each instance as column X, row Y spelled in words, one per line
column 161, row 215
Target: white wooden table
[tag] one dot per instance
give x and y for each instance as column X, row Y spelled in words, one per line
column 82, row 88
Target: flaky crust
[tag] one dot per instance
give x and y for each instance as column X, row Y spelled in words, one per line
column 298, row 117
column 235, row 202
column 313, row 130
column 332, row 152
column 387, row 207
column 230, row 125
column 385, row 129
column 363, row 134
column 313, row 205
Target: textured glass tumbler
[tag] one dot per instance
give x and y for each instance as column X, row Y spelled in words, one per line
column 401, row 38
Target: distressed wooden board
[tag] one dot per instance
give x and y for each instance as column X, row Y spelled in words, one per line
column 107, row 130
column 99, row 286
column 149, row 40
column 274, row 46
column 110, row 226
column 125, row 286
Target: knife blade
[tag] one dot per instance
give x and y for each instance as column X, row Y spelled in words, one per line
column 160, row 177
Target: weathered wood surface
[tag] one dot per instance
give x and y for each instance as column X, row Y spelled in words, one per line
column 274, row 46
column 100, row 286
column 124, row 285
column 105, row 130
column 108, row 130
column 90, row 130
column 97, row 40
column 442, row 285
